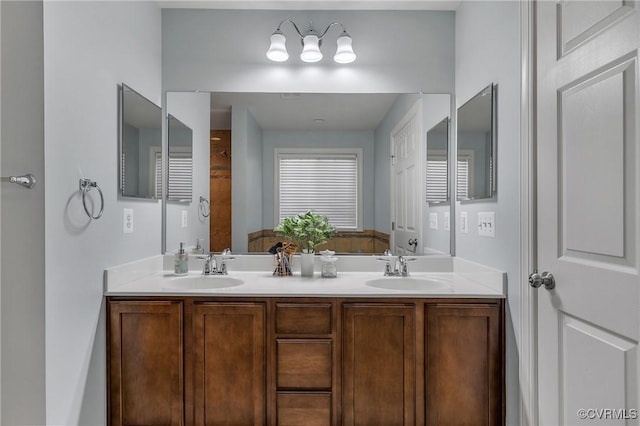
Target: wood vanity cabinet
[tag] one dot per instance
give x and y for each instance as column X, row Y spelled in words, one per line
column 229, row 363
column 379, row 364
column 305, row 361
column 145, row 362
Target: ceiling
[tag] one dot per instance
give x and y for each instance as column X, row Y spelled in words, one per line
column 304, row 111
column 314, row 5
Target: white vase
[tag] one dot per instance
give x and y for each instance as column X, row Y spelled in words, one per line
column 307, row 261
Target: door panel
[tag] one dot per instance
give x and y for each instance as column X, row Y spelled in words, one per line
column 407, row 182
column 587, row 179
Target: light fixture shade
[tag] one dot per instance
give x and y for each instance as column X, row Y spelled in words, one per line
column 278, row 51
column 344, row 53
column 311, row 50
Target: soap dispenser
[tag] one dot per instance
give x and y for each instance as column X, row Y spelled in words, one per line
column 181, row 266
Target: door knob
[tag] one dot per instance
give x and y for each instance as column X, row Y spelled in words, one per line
column 413, row 242
column 545, row 279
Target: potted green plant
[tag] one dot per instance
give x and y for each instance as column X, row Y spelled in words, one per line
column 307, row 231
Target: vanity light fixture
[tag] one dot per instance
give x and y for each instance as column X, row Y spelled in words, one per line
column 311, row 42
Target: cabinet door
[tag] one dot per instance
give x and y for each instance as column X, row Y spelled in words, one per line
column 464, row 373
column 378, row 371
column 145, row 363
column 229, row 363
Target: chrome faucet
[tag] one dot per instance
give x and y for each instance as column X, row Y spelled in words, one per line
column 213, row 266
column 399, row 265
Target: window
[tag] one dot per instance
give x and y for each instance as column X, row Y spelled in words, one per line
column 180, row 170
column 437, row 178
column 464, row 174
column 325, row 181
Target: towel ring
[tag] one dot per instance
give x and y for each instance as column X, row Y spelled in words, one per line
column 85, row 187
column 205, row 207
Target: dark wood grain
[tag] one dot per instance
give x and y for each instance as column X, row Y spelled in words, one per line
column 220, row 190
column 145, row 363
column 378, row 370
column 229, row 364
column 464, row 365
column 304, row 409
column 304, row 364
column 303, row 318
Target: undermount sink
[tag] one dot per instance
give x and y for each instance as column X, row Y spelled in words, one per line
column 407, row 283
column 203, row 282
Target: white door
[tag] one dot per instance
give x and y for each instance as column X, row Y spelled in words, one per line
column 588, row 212
column 407, row 168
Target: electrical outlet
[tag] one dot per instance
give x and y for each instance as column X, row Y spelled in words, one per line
column 127, row 221
column 464, row 223
column 447, row 221
column 433, row 220
column 487, row 224
column 185, row 218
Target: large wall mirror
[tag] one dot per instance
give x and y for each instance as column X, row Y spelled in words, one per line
column 140, row 145
column 343, row 138
column 477, row 142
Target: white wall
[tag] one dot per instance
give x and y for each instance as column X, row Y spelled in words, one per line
column 192, row 109
column 317, row 139
column 90, row 47
column 23, row 236
column 488, row 50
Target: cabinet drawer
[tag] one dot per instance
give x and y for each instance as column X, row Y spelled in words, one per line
column 304, row 409
column 303, row 318
column 303, row 364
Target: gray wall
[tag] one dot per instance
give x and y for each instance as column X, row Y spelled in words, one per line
column 318, row 139
column 89, row 48
column 488, row 50
column 224, row 51
column 23, row 220
column 435, row 108
column 192, row 109
column 246, row 171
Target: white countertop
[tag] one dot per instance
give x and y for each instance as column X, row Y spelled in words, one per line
column 358, row 276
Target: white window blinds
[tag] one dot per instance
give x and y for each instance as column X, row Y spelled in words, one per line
column 325, row 182
column 437, row 181
column 180, row 175
column 463, row 178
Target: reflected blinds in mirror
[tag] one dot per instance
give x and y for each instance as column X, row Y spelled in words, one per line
column 325, row 183
column 180, row 170
column 437, row 179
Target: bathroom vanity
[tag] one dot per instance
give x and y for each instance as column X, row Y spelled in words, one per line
column 252, row 349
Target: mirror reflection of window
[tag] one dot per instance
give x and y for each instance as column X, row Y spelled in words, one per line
column 438, row 163
column 180, row 161
column 325, row 181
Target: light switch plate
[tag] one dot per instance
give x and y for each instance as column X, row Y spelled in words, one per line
column 185, row 218
column 433, row 220
column 464, row 222
column 127, row 221
column 487, row 224
column 447, row 221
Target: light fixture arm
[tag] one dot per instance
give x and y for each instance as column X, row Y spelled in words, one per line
column 292, row 23
column 311, row 29
column 344, row 30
